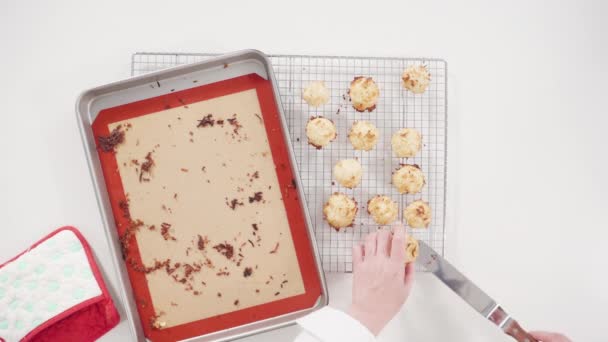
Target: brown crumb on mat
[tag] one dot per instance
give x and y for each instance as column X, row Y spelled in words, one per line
column 236, row 302
column 164, row 230
column 219, row 294
column 277, row 293
column 275, row 249
column 247, row 272
column 233, row 203
column 138, row 267
column 225, row 249
column 183, row 169
column 202, row 242
column 146, row 167
column 116, row 137
column 156, row 323
column 206, row 121
column 235, row 124
column 129, row 233
column 124, row 206
column 257, row 197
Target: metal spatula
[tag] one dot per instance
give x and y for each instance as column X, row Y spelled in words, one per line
column 471, row 294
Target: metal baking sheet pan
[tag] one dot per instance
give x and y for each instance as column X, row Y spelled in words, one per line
column 201, row 201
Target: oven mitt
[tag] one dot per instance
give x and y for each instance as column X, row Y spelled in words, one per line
column 54, row 292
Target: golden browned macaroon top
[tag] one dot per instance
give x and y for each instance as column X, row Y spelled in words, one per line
column 316, row 94
column 416, row 79
column 382, row 209
column 320, row 131
column 418, row 214
column 364, row 93
column 340, row 211
column 406, row 142
column 409, row 179
column 411, row 249
column 348, row 172
column 363, row 135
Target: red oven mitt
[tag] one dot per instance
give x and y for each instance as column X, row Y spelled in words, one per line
column 54, row 291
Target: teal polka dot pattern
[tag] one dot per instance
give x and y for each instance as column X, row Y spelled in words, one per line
column 17, row 283
column 75, row 247
column 29, row 307
column 13, row 304
column 68, row 270
column 53, row 286
column 39, row 269
column 31, row 285
column 56, row 255
column 21, row 265
column 78, row 293
column 50, row 307
column 42, row 283
column 86, row 273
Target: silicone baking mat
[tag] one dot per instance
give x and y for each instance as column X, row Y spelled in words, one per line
column 396, row 109
column 212, row 231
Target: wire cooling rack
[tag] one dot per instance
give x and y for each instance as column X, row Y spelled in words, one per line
column 396, row 109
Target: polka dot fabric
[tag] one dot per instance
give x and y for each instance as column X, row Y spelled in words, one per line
column 52, row 280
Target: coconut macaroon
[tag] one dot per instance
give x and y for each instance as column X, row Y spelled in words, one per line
column 364, row 94
column 406, row 142
column 316, row 94
column 320, row 131
column 409, row 179
column 382, row 209
column 418, row 214
column 411, row 249
column 348, row 172
column 340, row 211
column 363, row 135
column 416, row 78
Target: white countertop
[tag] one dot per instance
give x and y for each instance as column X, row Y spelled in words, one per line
column 527, row 160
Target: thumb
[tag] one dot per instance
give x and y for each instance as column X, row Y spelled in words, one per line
column 546, row 336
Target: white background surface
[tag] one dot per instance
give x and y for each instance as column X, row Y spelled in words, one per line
column 527, row 160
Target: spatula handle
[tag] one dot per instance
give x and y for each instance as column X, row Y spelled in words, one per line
column 513, row 329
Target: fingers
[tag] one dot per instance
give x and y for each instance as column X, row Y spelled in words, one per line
column 357, row 255
column 383, row 238
column 398, row 244
column 546, row 336
column 410, row 272
column 370, row 245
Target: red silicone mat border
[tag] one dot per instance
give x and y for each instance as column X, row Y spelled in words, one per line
column 295, row 212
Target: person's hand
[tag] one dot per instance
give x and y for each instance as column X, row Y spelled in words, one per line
column 381, row 280
column 545, row 336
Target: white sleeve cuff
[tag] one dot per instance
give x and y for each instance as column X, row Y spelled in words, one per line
column 331, row 325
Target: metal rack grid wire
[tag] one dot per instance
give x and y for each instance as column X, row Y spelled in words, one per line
column 396, row 108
